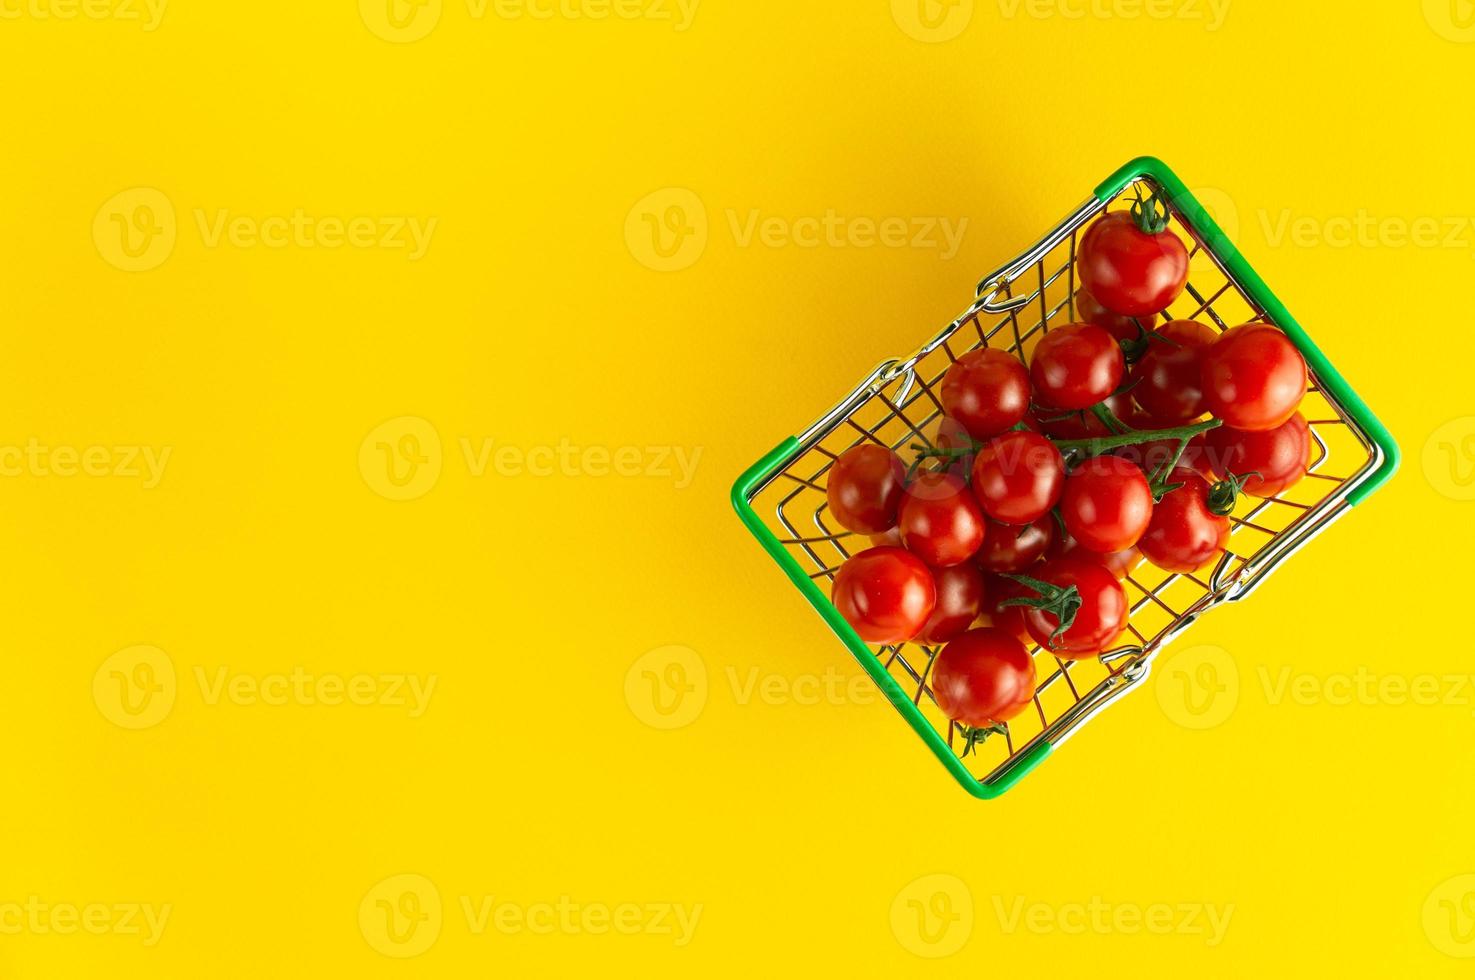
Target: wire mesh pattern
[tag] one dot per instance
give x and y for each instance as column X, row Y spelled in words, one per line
column 900, row 405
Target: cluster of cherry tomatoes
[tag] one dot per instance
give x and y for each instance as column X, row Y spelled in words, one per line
column 1044, row 486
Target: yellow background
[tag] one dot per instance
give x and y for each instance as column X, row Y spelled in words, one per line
column 534, row 319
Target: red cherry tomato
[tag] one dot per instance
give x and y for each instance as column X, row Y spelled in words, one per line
column 865, row 487
column 1090, row 310
column 1076, row 366
column 886, row 594
column 987, row 391
column 1253, row 377
column 1098, row 621
column 1128, row 270
column 1280, row 455
column 960, row 592
column 1119, row 563
column 996, row 590
column 1018, row 477
column 1106, row 504
column 1014, row 547
column 940, row 520
column 1167, row 379
column 983, row 677
column 1185, row 535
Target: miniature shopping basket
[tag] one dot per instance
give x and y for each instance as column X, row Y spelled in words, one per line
column 781, row 498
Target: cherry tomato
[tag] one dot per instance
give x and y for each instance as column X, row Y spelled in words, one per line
column 1253, row 377
column 960, row 592
column 1076, row 366
column 1018, row 477
column 940, row 520
column 987, row 391
column 1185, row 535
column 1014, row 547
column 886, row 594
column 1099, row 619
column 1090, row 310
column 1106, row 504
column 983, row 677
column 1280, row 455
column 996, row 590
column 1128, row 270
column 1166, row 381
column 1119, row 563
column 865, row 487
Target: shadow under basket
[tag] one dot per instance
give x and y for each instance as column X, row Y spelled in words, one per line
column 781, row 498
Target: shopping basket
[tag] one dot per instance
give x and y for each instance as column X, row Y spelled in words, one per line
column 781, row 498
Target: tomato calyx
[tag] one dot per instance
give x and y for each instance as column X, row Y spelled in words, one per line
column 1063, row 604
column 925, row 453
column 1146, row 216
column 1224, row 495
column 972, row 736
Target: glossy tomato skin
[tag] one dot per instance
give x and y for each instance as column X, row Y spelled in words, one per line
column 984, row 677
column 1280, row 455
column 986, row 391
column 1090, row 310
column 1014, row 547
column 1076, row 366
column 1100, row 619
column 865, row 487
column 960, row 592
column 1119, row 563
column 1185, row 535
column 886, row 594
column 1167, row 380
column 1018, row 477
column 940, row 520
column 1106, row 504
column 1129, row 271
column 1253, row 377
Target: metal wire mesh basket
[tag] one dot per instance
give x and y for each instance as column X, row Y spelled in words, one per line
column 782, row 497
